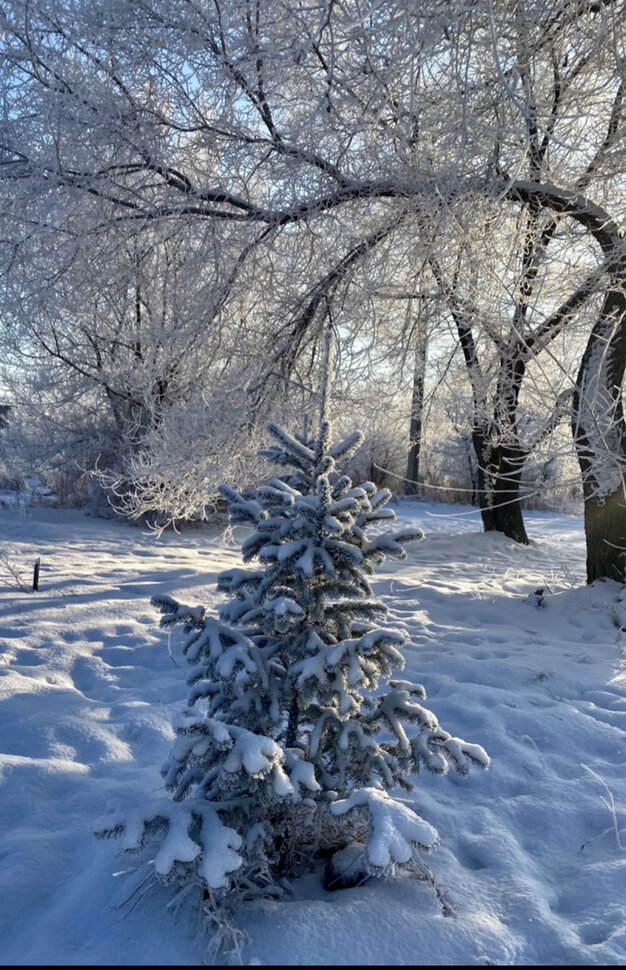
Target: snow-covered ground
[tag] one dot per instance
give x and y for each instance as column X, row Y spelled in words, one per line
column 531, row 867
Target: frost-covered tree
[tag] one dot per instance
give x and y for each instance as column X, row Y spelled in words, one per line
column 295, row 740
column 296, row 143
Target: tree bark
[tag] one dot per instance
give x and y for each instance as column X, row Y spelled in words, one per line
column 599, row 432
column 291, row 734
column 415, row 425
column 606, row 517
column 499, row 485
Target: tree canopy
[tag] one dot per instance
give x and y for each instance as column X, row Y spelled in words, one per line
column 235, row 174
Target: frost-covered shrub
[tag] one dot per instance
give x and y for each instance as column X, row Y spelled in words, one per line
column 296, row 738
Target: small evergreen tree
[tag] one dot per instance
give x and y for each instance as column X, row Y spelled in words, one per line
column 295, row 738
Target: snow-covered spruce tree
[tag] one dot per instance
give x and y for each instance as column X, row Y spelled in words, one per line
column 295, row 741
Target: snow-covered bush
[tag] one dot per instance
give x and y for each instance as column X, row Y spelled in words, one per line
column 171, row 476
column 295, row 741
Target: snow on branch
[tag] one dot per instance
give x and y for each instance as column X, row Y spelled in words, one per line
column 395, row 829
column 174, row 612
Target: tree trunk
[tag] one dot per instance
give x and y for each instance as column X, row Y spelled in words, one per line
column 291, row 734
column 499, row 479
column 606, row 558
column 415, row 426
column 482, row 450
column 599, row 432
column 500, row 467
column 507, row 506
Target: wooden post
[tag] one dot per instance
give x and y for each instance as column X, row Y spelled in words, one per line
column 36, row 575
